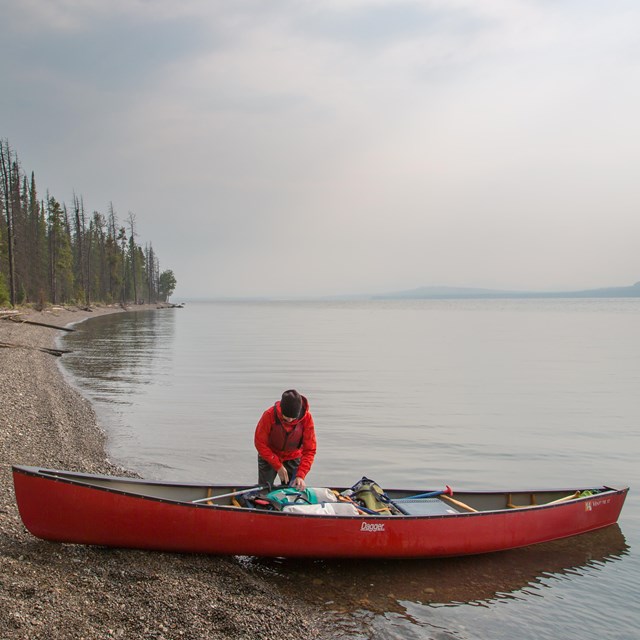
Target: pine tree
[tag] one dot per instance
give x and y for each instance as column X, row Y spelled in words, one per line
column 61, row 256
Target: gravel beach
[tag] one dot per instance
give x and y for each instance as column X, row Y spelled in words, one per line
column 68, row 591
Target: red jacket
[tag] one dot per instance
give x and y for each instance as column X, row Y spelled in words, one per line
column 277, row 440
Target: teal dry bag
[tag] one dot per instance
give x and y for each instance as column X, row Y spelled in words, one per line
column 288, row 495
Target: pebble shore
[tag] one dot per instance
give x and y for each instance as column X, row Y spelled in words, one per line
column 59, row 591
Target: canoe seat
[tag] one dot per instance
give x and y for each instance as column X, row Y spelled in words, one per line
column 532, row 502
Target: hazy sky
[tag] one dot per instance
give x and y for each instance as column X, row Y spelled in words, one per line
column 285, row 147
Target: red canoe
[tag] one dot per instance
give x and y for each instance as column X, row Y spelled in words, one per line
column 63, row 506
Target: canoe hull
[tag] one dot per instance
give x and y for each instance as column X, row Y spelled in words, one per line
column 63, row 510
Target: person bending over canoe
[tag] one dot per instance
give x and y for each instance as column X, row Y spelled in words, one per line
column 286, row 441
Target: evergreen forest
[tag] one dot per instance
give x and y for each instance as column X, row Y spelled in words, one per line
column 54, row 253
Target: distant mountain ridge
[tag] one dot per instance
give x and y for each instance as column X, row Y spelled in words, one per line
column 475, row 293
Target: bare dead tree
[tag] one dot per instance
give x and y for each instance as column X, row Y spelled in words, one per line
column 132, row 251
column 80, row 249
column 6, row 177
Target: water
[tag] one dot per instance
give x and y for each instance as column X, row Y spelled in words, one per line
column 474, row 394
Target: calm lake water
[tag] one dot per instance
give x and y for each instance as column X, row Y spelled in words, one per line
column 474, row 394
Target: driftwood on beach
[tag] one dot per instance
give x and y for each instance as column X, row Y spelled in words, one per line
column 53, row 352
column 17, row 318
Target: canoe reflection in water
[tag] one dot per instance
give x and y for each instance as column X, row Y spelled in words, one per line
column 380, row 586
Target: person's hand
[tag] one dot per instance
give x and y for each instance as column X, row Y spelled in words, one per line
column 299, row 483
column 283, row 475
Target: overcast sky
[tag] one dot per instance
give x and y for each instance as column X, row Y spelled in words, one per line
column 286, row 147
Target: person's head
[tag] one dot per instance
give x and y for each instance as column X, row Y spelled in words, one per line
column 291, row 405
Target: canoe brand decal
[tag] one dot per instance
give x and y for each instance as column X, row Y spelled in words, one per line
column 592, row 504
column 366, row 526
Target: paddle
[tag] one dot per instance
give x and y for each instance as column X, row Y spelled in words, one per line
column 233, row 493
column 462, row 505
column 448, row 491
column 445, row 494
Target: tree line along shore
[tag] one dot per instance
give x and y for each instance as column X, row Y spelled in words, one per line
column 59, row 591
column 51, row 252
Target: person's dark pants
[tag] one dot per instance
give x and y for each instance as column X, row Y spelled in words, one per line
column 267, row 474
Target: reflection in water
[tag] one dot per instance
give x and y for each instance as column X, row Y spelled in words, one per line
column 112, row 355
column 348, row 588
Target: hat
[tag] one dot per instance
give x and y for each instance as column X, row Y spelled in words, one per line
column 291, row 404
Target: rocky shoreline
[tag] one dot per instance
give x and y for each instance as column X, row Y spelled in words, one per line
column 58, row 591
